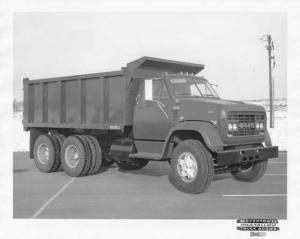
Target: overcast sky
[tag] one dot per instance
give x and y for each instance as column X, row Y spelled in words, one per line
column 58, row 44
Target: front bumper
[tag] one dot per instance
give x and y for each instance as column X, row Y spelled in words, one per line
column 230, row 157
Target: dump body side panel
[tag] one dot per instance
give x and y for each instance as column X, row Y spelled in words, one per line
column 96, row 102
column 117, row 101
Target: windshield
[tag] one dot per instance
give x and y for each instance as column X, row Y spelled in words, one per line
column 193, row 87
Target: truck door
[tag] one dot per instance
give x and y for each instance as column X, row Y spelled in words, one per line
column 152, row 119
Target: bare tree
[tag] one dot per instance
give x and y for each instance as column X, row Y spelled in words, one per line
column 17, row 105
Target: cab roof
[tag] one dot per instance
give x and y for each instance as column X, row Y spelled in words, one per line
column 163, row 65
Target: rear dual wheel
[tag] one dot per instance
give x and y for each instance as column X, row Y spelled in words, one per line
column 47, row 149
column 81, row 155
column 60, row 139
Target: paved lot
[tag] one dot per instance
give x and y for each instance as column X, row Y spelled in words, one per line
column 144, row 193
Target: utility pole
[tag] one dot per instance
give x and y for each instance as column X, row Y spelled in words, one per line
column 270, row 48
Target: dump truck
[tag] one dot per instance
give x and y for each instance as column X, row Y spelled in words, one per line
column 151, row 110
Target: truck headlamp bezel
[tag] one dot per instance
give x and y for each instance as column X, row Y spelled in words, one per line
column 232, row 127
column 259, row 125
column 235, row 127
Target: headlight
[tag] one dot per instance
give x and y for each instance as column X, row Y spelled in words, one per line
column 232, row 127
column 261, row 125
column 257, row 125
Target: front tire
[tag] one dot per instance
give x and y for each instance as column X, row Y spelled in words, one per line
column 250, row 173
column 192, row 168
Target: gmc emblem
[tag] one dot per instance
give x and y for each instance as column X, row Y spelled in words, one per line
column 246, row 125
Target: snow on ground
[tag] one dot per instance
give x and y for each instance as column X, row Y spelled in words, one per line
column 21, row 138
column 278, row 133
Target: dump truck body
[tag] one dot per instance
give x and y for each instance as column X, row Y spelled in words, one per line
column 95, row 101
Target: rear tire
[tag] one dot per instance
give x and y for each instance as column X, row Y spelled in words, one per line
column 46, row 153
column 60, row 138
column 96, row 154
column 134, row 164
column 192, row 168
column 255, row 172
column 76, row 156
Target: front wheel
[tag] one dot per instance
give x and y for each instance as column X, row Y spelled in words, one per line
column 250, row 172
column 192, row 168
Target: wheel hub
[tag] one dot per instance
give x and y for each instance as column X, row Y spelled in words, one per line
column 187, row 167
column 43, row 153
column 72, row 156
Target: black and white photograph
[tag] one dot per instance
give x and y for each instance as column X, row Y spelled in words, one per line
column 168, row 116
column 115, row 122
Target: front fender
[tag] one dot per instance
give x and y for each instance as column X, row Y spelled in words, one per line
column 208, row 132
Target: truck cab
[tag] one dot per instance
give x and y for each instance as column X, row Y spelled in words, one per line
column 176, row 108
column 181, row 99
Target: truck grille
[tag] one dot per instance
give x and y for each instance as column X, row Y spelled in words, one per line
column 246, row 122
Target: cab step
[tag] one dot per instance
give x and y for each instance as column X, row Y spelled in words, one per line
column 150, row 156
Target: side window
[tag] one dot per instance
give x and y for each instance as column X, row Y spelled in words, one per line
column 155, row 89
column 152, row 90
column 160, row 91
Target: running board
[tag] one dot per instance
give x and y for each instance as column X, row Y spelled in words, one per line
column 150, row 156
